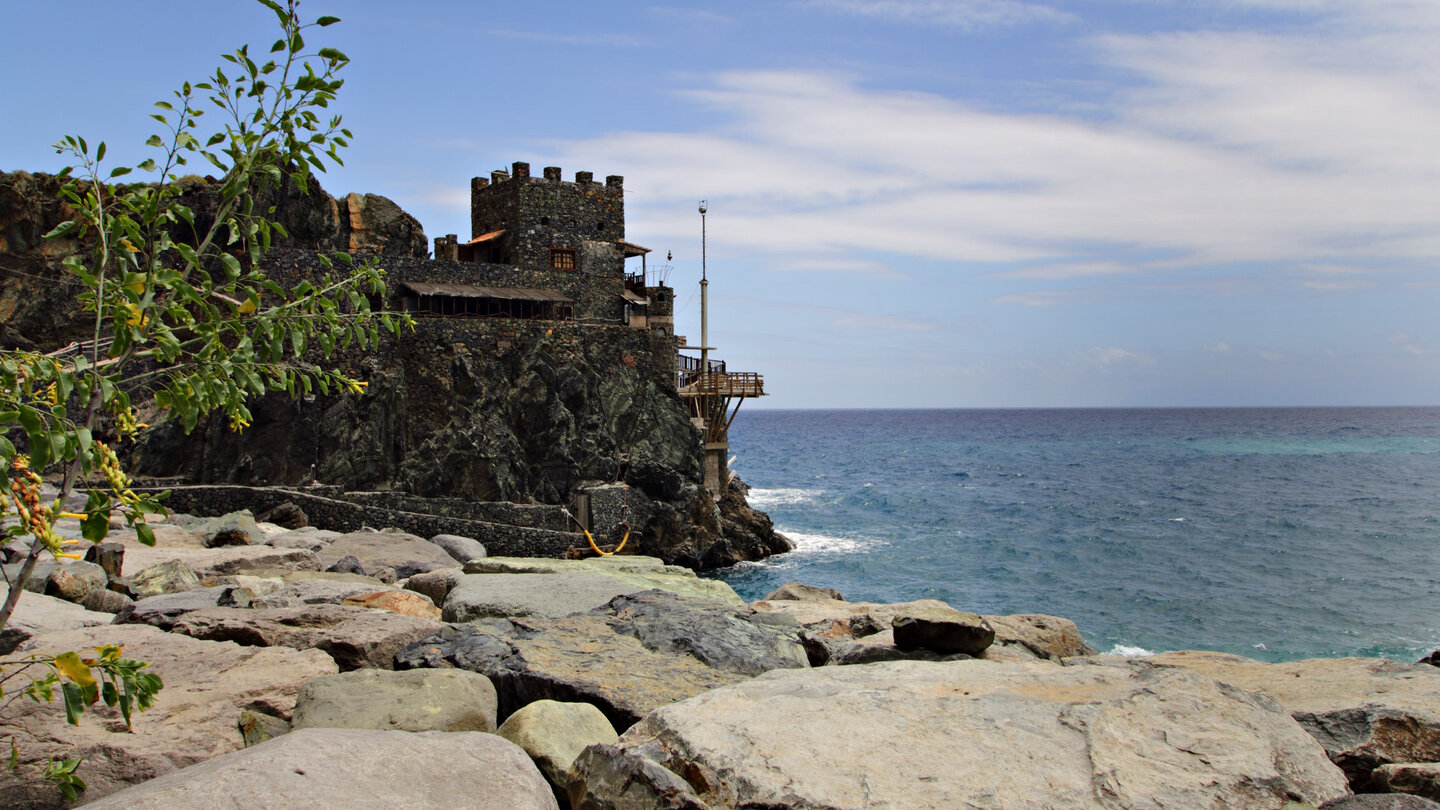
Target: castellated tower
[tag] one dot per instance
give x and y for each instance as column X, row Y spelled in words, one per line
column 547, row 223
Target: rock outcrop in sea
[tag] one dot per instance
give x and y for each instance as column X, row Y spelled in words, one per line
column 623, row 682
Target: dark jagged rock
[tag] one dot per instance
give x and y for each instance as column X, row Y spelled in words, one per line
column 720, row 635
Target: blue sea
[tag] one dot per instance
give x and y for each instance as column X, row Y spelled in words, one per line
column 1275, row 533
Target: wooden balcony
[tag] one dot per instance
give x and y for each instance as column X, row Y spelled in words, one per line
column 723, row 384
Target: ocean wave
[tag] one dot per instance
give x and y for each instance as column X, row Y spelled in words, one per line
column 807, row 542
column 787, row 496
column 1130, row 652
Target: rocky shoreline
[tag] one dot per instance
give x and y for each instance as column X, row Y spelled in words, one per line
column 314, row 668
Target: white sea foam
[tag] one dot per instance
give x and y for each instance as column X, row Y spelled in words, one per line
column 1130, row 652
column 767, row 498
column 811, row 543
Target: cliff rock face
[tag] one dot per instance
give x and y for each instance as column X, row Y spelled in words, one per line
column 480, row 409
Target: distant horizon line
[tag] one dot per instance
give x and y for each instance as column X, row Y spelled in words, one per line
column 1091, row 407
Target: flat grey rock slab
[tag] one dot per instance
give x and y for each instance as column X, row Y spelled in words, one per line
column 37, row 614
column 976, row 734
column 356, row 637
column 309, row 538
column 484, row 596
column 318, row 591
column 353, row 768
column 162, row 611
column 228, row 560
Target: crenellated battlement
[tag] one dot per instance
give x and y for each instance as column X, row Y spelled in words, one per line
column 521, row 171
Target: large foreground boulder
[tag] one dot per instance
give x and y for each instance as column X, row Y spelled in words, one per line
column 1367, row 712
column 208, row 685
column 971, row 734
column 554, row 734
column 352, row 768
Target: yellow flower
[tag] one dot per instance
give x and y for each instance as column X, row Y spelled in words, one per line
column 128, row 246
column 238, row 423
column 356, row 386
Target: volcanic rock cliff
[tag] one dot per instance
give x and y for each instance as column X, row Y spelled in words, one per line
column 478, row 409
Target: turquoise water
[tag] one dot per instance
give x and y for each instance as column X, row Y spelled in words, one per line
column 1274, row 533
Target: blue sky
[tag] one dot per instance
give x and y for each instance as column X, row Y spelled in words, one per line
column 913, row 203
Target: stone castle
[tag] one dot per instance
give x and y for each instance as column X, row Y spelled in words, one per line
column 543, row 376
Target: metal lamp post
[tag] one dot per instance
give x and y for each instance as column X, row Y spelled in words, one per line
column 704, row 302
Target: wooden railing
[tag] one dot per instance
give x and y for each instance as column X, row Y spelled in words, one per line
column 734, row 384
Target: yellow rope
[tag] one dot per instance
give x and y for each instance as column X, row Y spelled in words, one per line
column 597, row 549
column 591, row 540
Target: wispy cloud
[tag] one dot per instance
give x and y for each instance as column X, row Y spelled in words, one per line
column 881, row 322
column 1409, row 345
column 963, row 14
column 691, row 16
column 1114, row 355
column 862, row 267
column 1218, row 348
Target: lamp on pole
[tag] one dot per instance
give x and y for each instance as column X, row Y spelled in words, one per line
column 704, row 302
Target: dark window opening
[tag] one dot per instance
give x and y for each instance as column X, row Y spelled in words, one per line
column 562, row 259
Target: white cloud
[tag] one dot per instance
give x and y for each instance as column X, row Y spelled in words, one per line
column 1409, row 345
column 861, row 267
column 1113, row 355
column 1067, row 270
column 1218, row 348
column 963, row 14
column 1274, row 357
column 1235, row 163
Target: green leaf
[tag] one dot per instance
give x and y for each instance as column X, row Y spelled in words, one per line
column 96, row 524
column 324, row 21
column 100, row 152
column 232, row 266
column 333, row 54
column 119, row 171
column 145, row 534
column 74, row 702
column 63, row 229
